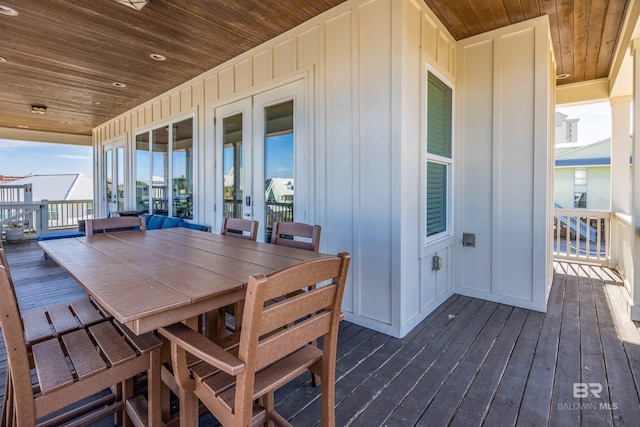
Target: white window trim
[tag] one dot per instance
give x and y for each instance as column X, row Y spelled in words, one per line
column 429, row 243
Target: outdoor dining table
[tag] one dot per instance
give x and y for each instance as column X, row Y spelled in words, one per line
column 154, row 278
column 150, row 279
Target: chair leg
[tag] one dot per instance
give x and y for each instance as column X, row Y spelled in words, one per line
column 238, row 311
column 154, row 384
column 267, row 402
column 127, row 393
column 328, row 398
column 188, row 409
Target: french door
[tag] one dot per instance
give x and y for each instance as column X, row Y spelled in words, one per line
column 114, row 179
column 263, row 147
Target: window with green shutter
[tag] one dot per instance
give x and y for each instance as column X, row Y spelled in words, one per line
column 438, row 156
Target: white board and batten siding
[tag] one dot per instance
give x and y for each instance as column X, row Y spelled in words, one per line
column 426, row 46
column 364, row 64
column 505, row 105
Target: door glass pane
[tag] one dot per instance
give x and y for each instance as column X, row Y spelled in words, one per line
column 278, row 165
column 233, row 165
column 160, row 171
column 108, row 168
column 182, row 169
column 120, row 182
column 143, row 174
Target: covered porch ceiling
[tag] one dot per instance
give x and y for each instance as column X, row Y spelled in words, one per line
column 67, row 55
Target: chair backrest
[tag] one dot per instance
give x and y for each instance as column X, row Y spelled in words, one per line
column 4, row 263
column 288, row 234
column 121, row 222
column 17, row 356
column 270, row 333
column 238, row 227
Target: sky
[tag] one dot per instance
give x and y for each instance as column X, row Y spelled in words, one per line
column 23, row 158
column 595, row 121
column 279, row 157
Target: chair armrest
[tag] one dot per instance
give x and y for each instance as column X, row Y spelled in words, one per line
column 203, row 348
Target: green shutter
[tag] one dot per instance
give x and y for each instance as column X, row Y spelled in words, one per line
column 436, row 198
column 439, row 106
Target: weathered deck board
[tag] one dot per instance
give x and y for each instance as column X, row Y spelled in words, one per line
column 470, row 363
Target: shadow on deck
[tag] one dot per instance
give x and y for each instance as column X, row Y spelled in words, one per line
column 471, row 362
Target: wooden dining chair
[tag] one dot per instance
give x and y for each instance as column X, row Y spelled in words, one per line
column 301, row 236
column 116, row 223
column 296, row 235
column 239, row 227
column 273, row 347
column 242, row 229
column 70, row 366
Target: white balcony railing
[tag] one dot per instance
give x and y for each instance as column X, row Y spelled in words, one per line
column 582, row 235
column 622, row 247
column 67, row 213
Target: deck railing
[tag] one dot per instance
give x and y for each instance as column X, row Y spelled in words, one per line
column 622, row 247
column 36, row 218
column 16, row 193
column 582, row 235
column 67, row 213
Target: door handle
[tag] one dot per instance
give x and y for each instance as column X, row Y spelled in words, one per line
column 247, row 201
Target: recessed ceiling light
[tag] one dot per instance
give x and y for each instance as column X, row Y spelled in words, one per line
column 136, row 4
column 39, row 109
column 66, row 123
column 23, row 127
column 6, row 10
column 158, row 57
column 562, row 76
column 3, row 59
column 118, row 84
column 94, row 102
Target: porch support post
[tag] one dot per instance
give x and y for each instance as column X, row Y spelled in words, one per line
column 620, row 152
column 634, row 302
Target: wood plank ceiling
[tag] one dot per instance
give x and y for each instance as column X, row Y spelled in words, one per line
column 66, row 55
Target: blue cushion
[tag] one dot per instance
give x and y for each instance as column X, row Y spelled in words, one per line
column 194, row 226
column 147, row 217
column 172, row 222
column 60, row 235
column 155, row 222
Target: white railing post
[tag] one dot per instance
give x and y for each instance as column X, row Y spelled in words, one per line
column 614, row 259
column 44, row 221
column 28, row 194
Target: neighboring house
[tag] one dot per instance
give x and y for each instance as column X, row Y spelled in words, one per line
column 583, row 176
column 4, row 179
column 58, row 187
column 279, row 190
column 70, row 196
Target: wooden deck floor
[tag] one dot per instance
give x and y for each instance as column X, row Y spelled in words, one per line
column 470, row 363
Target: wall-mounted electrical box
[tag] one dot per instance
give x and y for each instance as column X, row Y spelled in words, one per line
column 469, row 239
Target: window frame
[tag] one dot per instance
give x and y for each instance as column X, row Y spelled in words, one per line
column 580, row 187
column 149, row 130
column 445, row 237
